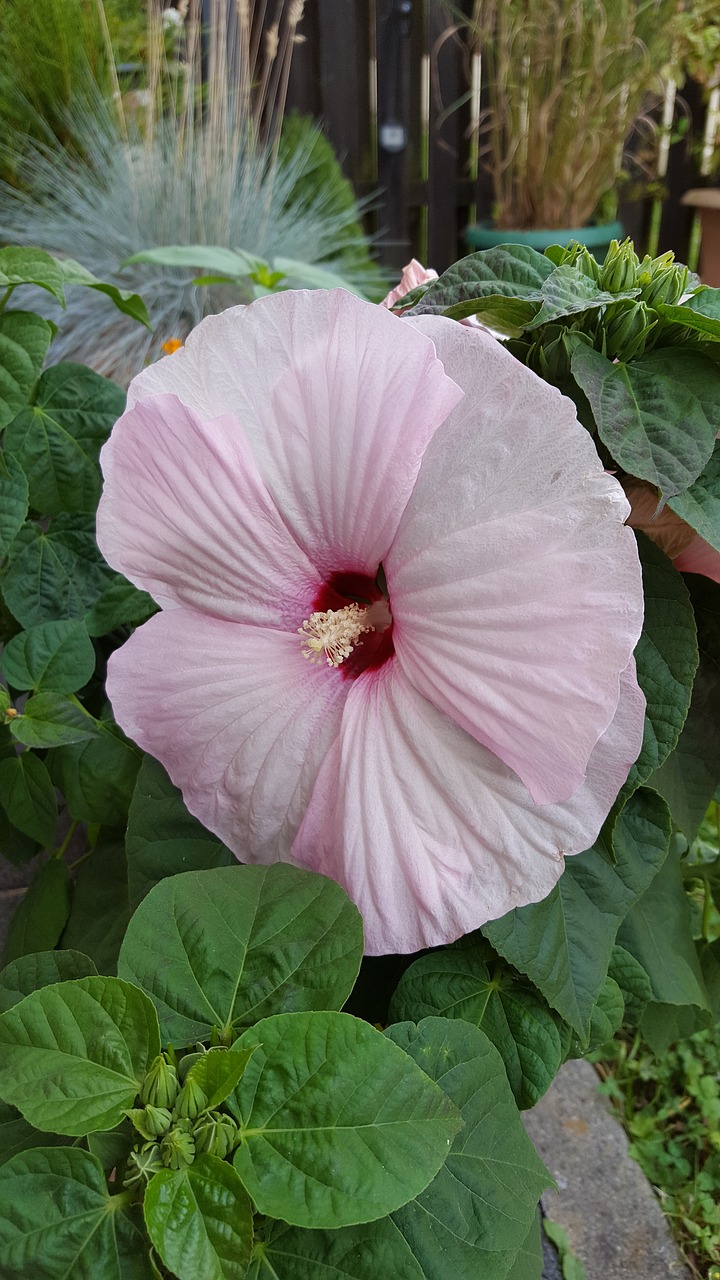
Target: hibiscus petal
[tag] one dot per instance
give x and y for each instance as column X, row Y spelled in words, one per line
column 185, row 515
column 429, row 833
column 338, row 400
column 699, row 557
column 238, row 718
column 516, row 590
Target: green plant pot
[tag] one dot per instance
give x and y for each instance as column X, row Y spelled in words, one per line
column 597, row 239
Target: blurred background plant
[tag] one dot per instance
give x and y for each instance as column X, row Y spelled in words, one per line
column 197, row 156
column 564, row 82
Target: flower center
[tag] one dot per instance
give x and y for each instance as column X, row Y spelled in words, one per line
column 332, row 635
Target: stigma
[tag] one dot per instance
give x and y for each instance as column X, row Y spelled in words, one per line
column 331, row 636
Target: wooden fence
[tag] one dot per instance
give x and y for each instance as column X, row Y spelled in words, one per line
column 391, row 84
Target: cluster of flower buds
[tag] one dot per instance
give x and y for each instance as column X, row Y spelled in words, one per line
column 627, row 327
column 175, row 1121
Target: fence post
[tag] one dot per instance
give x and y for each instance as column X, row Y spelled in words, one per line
column 393, row 72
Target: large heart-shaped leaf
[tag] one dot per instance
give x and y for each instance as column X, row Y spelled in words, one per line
column 566, row 292
column 224, row 947
column 688, row 777
column 73, row 1055
column 564, row 943
column 508, row 271
column 700, row 504
column 54, row 573
column 24, row 342
column 58, row 1222
column 41, row 969
column 57, row 439
column 483, row 1202
column 40, row 917
column 657, row 416
column 666, row 657
column 14, row 501
column 338, row 1125
column 457, row 983
column 162, row 838
column 200, row 1220
column 55, row 656
column 351, row 1253
column 17, row 1135
column 97, row 777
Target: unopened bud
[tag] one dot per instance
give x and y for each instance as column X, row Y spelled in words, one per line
column 177, row 1148
column 619, row 270
column 151, row 1121
column 160, row 1086
column 190, row 1101
column 216, row 1135
column 627, row 328
column 662, row 280
column 579, row 256
column 141, row 1165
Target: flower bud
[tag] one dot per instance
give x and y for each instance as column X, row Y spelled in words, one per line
column 579, row 256
column 627, row 327
column 160, row 1085
column 216, row 1135
column 190, row 1101
column 619, row 270
column 177, row 1148
column 151, row 1121
column 662, row 281
column 141, row 1165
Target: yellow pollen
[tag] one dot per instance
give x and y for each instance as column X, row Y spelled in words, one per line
column 332, row 635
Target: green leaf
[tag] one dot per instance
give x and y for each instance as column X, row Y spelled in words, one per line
column 231, row 262
column 162, row 837
column 111, row 1146
column 58, row 438
column 98, row 777
column 564, row 943
column 51, row 720
column 28, row 797
column 218, row 1072
column 605, row 1018
column 567, row 291
column 41, row 969
column 54, row 656
column 200, row 1220
column 74, row 1055
column 658, row 934
column 691, row 318
column 339, row 1125
column 120, row 604
column 58, row 1222
column 40, row 917
column 100, row 909
column 633, row 982
column 24, row 342
column 652, row 414
column 705, row 302
column 456, row 983
column 508, row 271
column 57, row 573
column 31, row 266
column 700, row 504
column 508, row 316
column 14, row 501
column 130, row 304
column 17, row 1135
column 666, row 657
column 689, row 776
column 352, row 1253
column 484, row 1199
column 529, row 1263
column 225, row 947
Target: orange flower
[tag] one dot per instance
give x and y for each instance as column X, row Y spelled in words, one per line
column 172, row 344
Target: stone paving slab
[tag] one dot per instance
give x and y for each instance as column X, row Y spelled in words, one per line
column 613, row 1220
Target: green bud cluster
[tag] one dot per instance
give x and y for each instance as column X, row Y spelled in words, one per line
column 160, row 1086
column 627, row 326
column 216, row 1135
column 662, row 280
column 619, row 271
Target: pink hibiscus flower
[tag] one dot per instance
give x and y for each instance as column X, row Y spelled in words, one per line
column 413, row 275
column 399, row 606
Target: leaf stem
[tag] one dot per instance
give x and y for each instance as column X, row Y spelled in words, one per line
column 60, row 852
column 6, row 296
